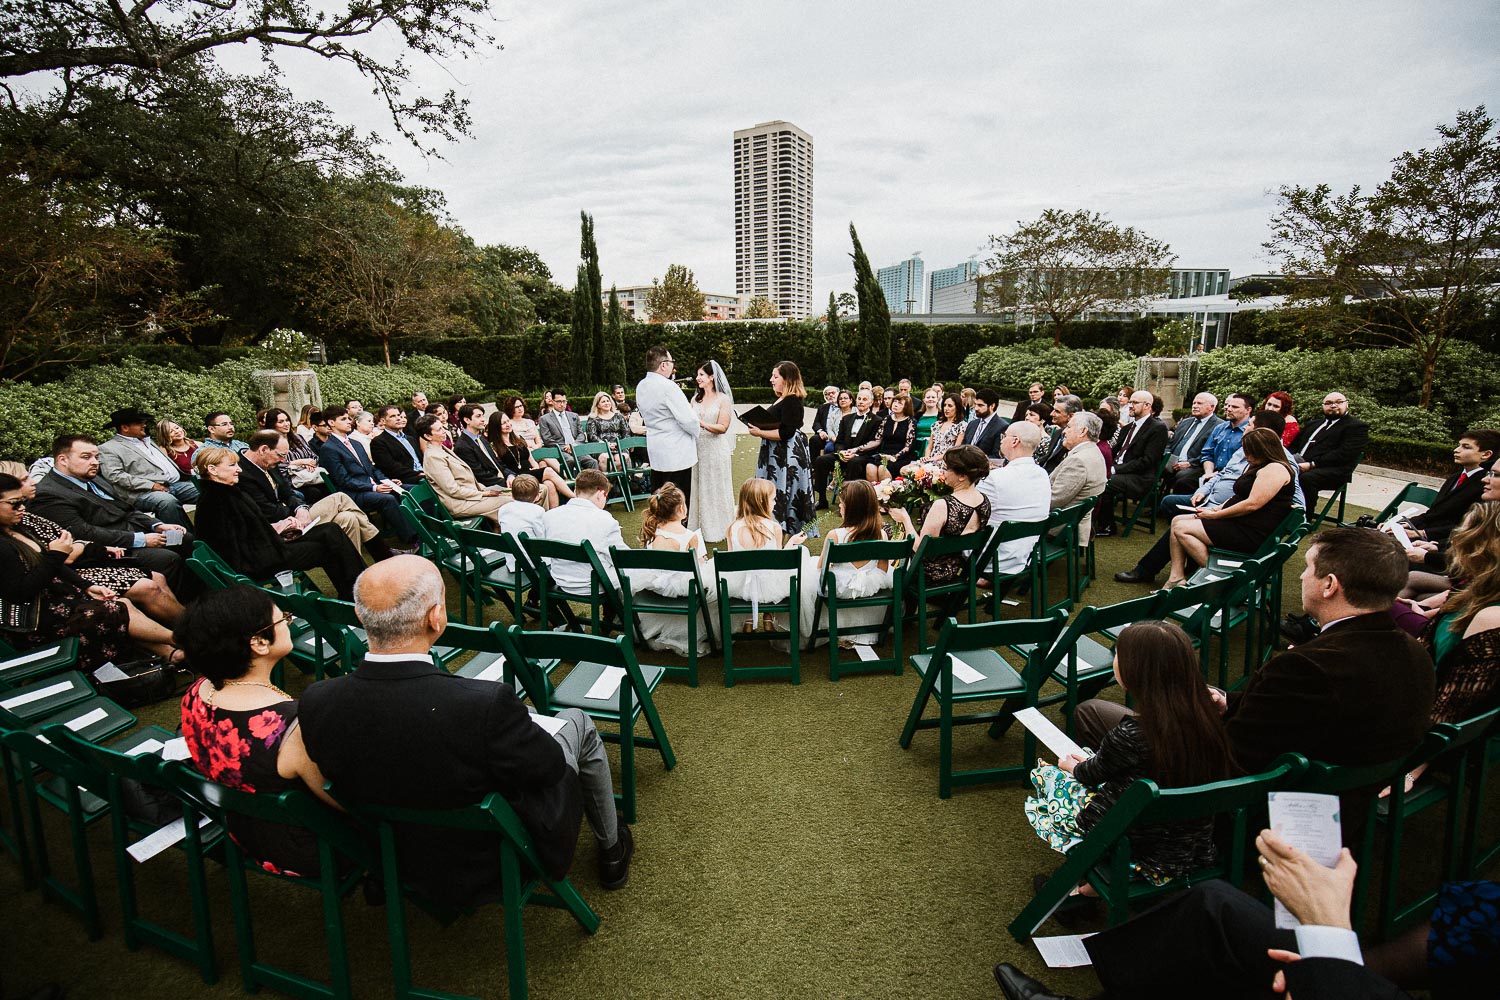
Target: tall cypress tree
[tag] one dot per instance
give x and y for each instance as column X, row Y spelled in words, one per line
column 835, row 360
column 614, row 343
column 874, row 319
column 585, row 308
column 590, row 253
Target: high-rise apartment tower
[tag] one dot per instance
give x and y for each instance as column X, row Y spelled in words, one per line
column 773, row 216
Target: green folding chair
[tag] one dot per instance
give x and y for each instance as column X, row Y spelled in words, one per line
column 965, row 669
column 692, row 606
column 496, row 566
column 1067, row 521
column 640, row 471
column 1411, row 493
column 569, row 468
column 521, row 876
column 1082, row 659
column 1445, row 782
column 1103, row 858
column 340, row 846
column 1339, row 496
column 600, row 452
column 969, row 547
column 421, row 498
column 593, row 657
column 441, row 546
column 1148, row 503
column 18, row 666
column 786, row 562
column 897, row 553
column 31, row 702
column 603, row 599
column 338, row 625
column 1032, row 577
column 137, row 758
column 216, row 574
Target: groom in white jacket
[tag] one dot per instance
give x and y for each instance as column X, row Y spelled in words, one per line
column 671, row 425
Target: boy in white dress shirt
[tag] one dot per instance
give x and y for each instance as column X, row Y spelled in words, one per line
column 583, row 518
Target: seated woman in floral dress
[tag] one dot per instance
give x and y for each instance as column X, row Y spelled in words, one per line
column 1176, row 738
column 947, row 431
column 240, row 728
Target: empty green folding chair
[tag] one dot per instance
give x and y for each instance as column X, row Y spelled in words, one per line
column 137, row 759
column 497, row 565
column 889, row 600
column 601, row 452
column 610, row 686
column 964, row 669
column 18, row 666
column 640, row 480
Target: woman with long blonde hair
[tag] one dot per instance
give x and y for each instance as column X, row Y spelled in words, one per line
column 1464, row 636
column 755, row 526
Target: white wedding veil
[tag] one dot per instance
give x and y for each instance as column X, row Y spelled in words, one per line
column 721, row 386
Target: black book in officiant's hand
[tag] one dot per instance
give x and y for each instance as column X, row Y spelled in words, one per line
column 759, row 416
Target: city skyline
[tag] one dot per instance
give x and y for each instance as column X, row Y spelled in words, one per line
column 1182, row 127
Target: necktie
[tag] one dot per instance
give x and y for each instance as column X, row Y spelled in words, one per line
column 1129, row 437
column 1187, row 443
column 979, row 430
column 1316, row 431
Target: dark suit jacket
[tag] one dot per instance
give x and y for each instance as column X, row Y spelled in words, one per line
column 1360, row 692
column 1338, row 448
column 487, row 471
column 351, row 470
column 410, row 734
column 846, row 438
column 989, row 441
column 1185, row 428
column 1452, row 503
column 274, row 497
column 89, row 517
column 1055, row 455
column 1136, row 466
column 393, row 461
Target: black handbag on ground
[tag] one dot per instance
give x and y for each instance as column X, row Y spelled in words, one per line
column 146, row 681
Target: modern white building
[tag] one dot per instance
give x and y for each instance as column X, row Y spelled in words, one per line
column 715, row 306
column 903, row 286
column 954, row 289
column 773, row 216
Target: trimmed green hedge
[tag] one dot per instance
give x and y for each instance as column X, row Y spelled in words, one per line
column 1426, row 457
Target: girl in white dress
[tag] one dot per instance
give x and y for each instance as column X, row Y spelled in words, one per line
column 713, row 475
column 662, row 529
column 755, row 528
column 861, row 513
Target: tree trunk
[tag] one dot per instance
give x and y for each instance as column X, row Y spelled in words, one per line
column 1429, row 369
column 385, row 345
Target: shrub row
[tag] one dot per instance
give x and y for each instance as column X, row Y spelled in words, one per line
column 82, row 402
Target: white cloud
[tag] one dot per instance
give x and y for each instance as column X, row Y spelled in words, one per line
column 934, row 125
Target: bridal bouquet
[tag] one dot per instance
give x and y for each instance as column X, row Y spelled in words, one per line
column 917, row 489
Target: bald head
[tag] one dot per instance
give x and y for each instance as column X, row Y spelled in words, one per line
column 400, row 603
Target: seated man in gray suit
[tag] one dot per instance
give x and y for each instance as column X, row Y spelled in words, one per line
column 560, row 429
column 140, row 472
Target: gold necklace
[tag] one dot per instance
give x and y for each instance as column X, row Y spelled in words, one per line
column 262, row 684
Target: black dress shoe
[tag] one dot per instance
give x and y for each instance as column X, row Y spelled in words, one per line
column 1017, row 985
column 1108, row 531
column 614, row 862
column 1134, row 576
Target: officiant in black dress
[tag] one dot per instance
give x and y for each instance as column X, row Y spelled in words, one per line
column 784, row 457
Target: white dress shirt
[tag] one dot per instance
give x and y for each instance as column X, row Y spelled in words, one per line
column 671, row 425
column 1019, row 491
column 577, row 521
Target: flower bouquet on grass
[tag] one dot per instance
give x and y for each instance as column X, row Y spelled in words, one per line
column 918, row 487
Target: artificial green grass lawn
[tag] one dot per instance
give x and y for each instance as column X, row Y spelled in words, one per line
column 795, row 850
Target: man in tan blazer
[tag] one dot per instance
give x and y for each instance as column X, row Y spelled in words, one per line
column 1082, row 474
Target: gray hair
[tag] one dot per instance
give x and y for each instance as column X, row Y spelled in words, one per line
column 1093, row 426
column 406, row 617
column 1214, row 400
column 1070, row 403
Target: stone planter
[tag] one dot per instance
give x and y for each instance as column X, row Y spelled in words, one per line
column 1172, row 379
column 289, row 390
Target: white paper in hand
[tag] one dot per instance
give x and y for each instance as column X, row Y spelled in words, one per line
column 1310, row 823
column 1052, row 738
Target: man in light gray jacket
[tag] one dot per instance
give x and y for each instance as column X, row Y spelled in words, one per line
column 140, row 472
column 671, row 425
column 1081, row 474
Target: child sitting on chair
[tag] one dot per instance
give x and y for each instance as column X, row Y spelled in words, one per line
column 523, row 513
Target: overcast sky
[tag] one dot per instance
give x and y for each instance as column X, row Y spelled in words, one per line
column 934, row 125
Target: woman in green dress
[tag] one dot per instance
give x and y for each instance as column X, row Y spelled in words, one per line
column 929, row 417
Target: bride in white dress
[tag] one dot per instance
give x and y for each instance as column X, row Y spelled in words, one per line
column 713, row 475
column 662, row 529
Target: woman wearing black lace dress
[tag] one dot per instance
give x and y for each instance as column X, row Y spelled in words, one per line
column 898, row 436
column 963, row 511
column 784, row 457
